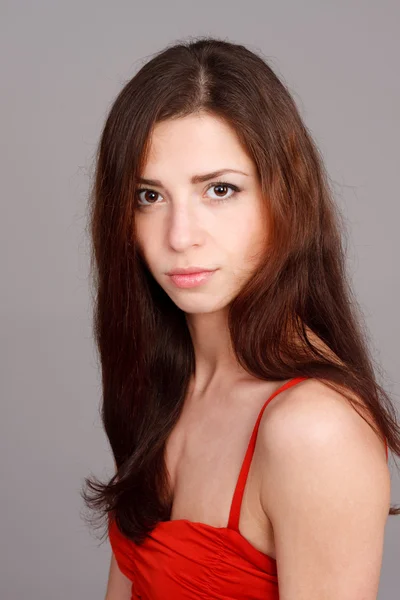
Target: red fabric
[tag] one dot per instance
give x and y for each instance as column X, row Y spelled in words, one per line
column 186, row 560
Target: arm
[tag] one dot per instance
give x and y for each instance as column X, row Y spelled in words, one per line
column 119, row 586
column 326, row 491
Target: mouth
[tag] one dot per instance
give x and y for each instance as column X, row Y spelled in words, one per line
column 190, row 280
column 189, row 271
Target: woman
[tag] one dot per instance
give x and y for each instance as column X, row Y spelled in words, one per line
column 249, row 432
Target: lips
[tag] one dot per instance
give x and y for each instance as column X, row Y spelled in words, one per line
column 189, row 280
column 189, row 271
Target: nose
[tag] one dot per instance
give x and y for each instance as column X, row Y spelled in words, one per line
column 184, row 227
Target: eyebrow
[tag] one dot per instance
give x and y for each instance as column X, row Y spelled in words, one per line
column 195, row 178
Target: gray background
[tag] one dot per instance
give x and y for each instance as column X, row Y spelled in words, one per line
column 62, row 65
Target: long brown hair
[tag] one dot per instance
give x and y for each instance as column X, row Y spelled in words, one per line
column 299, row 292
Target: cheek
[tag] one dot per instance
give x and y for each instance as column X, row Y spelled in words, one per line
column 246, row 237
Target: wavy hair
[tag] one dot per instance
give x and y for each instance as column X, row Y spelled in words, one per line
column 296, row 316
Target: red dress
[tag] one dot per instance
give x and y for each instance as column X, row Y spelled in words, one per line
column 186, row 560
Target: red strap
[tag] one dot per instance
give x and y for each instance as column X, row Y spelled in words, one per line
column 234, row 514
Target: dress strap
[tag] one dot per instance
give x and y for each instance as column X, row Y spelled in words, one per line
column 234, row 514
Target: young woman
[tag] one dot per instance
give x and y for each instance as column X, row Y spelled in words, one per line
column 249, row 432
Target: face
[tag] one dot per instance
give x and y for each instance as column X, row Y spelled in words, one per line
column 216, row 222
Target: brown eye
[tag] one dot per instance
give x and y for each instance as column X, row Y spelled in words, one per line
column 218, row 189
column 150, row 196
column 221, row 188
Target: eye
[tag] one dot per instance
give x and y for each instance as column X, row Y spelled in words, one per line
column 149, row 192
column 222, row 186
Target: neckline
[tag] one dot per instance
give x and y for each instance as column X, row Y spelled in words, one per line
column 199, row 525
column 234, row 513
column 236, row 503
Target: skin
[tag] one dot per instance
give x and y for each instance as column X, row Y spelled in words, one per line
column 318, row 490
column 185, row 224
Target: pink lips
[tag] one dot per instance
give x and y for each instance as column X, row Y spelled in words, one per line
column 190, row 280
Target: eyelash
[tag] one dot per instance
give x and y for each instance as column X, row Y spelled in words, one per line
column 234, row 188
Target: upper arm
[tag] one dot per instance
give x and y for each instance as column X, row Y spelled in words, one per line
column 119, row 587
column 326, row 491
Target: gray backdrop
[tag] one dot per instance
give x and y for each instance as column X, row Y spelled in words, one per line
column 62, row 65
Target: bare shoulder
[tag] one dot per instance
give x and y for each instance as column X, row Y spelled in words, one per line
column 326, row 491
column 314, row 415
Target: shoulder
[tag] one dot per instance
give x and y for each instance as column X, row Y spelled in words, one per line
column 325, row 487
column 311, row 417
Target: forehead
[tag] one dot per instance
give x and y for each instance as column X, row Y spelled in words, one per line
column 195, row 143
